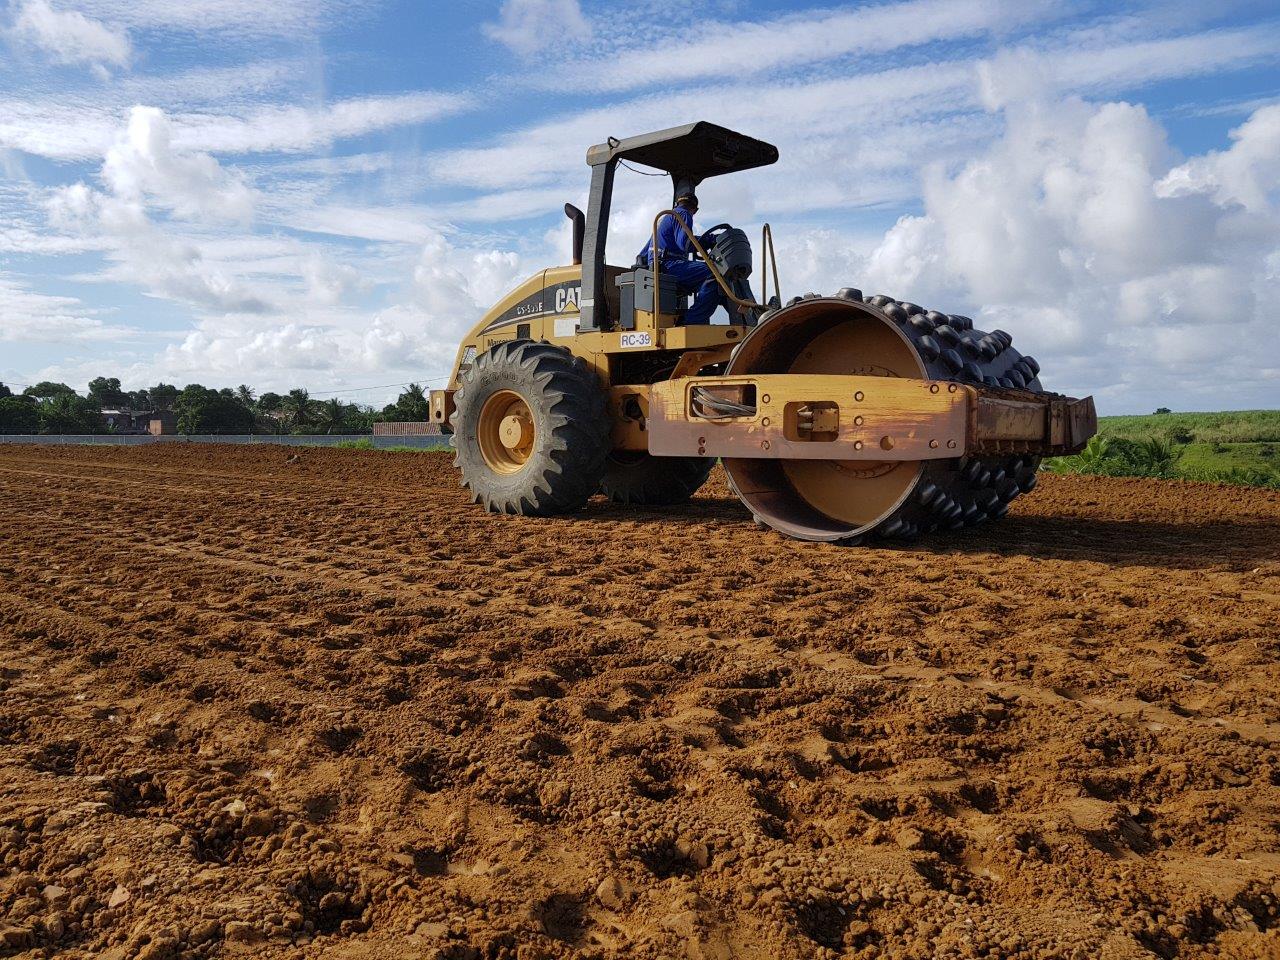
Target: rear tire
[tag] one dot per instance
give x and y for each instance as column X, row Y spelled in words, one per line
column 531, row 433
column 638, row 478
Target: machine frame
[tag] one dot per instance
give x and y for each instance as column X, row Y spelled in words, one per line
column 877, row 406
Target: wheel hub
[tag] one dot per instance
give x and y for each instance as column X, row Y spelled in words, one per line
column 506, row 432
column 516, row 431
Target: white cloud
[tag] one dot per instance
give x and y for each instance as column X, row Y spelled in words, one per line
column 30, row 317
column 1248, row 173
column 235, row 19
column 143, row 171
column 704, row 50
column 248, row 350
column 141, row 253
column 1065, row 233
column 23, row 222
column 143, row 165
column 328, row 283
column 296, row 128
column 802, row 112
column 530, row 26
column 461, row 282
column 1087, row 63
column 845, row 141
column 319, row 341
column 65, row 129
column 71, row 37
column 328, row 357
column 237, row 86
column 403, row 223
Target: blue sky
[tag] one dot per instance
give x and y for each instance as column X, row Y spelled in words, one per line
column 327, row 194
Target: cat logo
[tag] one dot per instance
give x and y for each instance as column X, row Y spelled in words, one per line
column 567, row 297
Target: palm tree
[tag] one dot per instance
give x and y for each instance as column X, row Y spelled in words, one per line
column 297, row 407
column 332, row 413
column 1157, row 456
column 244, row 394
column 1091, row 459
column 413, row 403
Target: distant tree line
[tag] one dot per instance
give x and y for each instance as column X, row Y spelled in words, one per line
column 49, row 407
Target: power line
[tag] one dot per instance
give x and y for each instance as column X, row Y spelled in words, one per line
column 314, row 393
column 380, row 386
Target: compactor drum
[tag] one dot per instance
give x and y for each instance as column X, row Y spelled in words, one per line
column 842, row 500
column 836, row 417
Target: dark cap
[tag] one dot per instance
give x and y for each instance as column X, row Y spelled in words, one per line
column 685, row 191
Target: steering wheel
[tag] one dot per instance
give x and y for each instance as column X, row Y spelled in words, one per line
column 718, row 228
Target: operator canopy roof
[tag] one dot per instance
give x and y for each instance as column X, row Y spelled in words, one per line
column 692, row 152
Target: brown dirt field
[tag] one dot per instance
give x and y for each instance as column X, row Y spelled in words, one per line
column 304, row 703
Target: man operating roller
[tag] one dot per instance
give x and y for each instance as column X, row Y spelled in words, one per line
column 674, row 251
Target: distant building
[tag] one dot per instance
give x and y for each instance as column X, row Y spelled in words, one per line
column 162, row 424
column 124, row 420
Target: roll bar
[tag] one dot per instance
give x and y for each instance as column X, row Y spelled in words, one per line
column 692, row 153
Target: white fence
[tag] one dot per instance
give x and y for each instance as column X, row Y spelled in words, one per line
column 126, row 439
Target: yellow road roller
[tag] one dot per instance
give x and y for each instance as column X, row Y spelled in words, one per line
column 837, row 417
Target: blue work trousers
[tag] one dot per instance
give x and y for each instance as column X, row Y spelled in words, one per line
column 694, row 276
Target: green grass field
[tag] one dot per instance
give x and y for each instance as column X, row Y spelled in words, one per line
column 1231, row 456
column 1237, row 426
column 1241, row 447
column 366, row 443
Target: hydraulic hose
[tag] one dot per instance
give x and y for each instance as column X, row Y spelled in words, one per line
column 702, row 401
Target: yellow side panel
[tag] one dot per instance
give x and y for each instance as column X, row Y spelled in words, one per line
column 545, row 307
column 537, row 303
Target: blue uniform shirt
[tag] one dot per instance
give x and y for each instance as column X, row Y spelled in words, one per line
column 673, row 243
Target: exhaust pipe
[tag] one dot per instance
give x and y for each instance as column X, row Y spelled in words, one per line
column 579, row 230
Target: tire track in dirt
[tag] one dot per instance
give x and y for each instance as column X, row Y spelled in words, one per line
column 339, row 569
